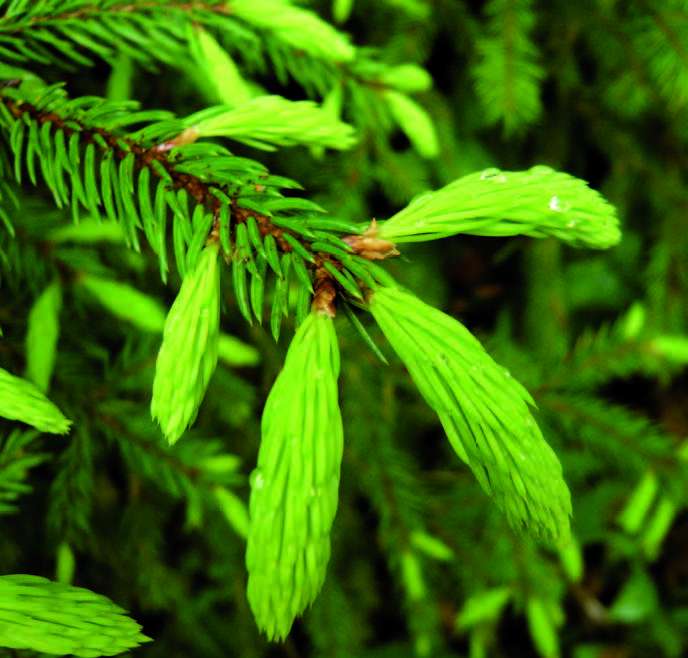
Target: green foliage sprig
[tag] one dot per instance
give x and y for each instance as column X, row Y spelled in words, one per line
column 539, row 202
column 17, row 457
column 158, row 179
column 507, row 72
column 185, row 190
column 294, row 488
column 268, row 121
column 188, row 354
column 58, row 619
column 21, row 400
column 484, row 412
column 240, row 211
column 42, row 335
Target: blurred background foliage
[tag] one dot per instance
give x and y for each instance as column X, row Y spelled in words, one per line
column 423, row 564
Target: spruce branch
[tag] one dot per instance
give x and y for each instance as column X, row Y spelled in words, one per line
column 73, row 490
column 631, row 439
column 82, row 312
column 660, row 38
column 293, row 39
column 611, row 353
column 237, row 201
column 388, row 476
column 158, row 31
column 508, row 73
column 17, row 458
column 189, row 470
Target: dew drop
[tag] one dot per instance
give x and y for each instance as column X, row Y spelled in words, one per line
column 557, row 205
column 540, row 170
column 493, row 174
column 257, row 480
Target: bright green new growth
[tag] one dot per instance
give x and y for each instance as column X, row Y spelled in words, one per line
column 21, row 400
column 45, row 616
column 298, row 27
column 539, row 202
column 235, row 352
column 126, row 302
column 268, row 121
column 341, row 9
column 145, row 312
column 138, row 177
column 294, row 488
column 42, row 335
column 228, row 86
column 188, row 354
column 415, row 122
column 408, row 78
column 88, row 231
column 483, row 410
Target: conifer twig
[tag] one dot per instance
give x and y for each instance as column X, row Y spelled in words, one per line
column 200, row 191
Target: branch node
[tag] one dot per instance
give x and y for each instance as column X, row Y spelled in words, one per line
column 369, row 246
column 325, row 293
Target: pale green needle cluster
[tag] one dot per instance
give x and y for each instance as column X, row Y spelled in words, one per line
column 45, row 616
column 268, row 121
column 88, row 231
column 189, row 350
column 416, row 123
column 300, row 28
column 539, row 202
column 147, row 313
column 21, row 400
column 407, row 78
column 42, row 334
column 484, row 412
column 236, row 353
column 126, row 302
column 220, row 70
column 295, row 485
